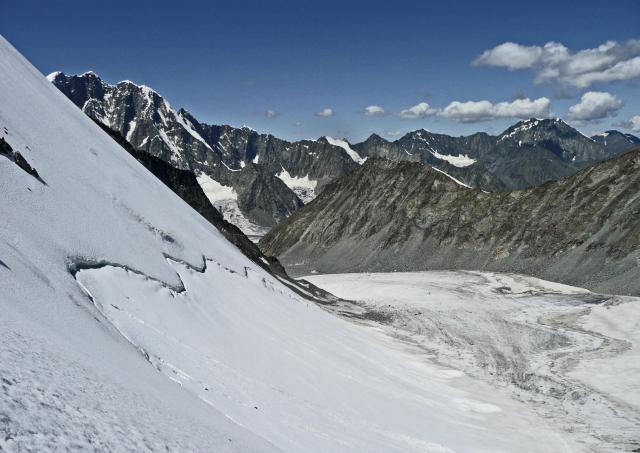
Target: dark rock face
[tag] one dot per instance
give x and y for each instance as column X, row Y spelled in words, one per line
column 318, row 160
column 527, row 154
column 185, row 185
column 616, row 142
column 236, row 157
column 402, row 216
column 15, row 156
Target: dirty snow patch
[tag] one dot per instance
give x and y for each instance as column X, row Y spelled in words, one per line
column 304, row 188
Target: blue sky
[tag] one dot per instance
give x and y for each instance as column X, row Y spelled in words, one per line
column 230, row 62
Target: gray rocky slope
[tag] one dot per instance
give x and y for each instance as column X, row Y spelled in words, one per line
column 582, row 230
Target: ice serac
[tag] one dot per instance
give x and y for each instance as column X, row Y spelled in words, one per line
column 130, row 323
column 582, row 230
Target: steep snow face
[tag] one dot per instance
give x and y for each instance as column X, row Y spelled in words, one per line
column 345, row 145
column 304, row 188
column 103, row 269
column 69, row 379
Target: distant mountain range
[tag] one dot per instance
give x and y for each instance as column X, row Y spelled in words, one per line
column 254, row 179
column 404, row 216
column 257, row 180
column 526, row 154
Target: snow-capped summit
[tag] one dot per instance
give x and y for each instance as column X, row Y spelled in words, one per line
column 566, row 142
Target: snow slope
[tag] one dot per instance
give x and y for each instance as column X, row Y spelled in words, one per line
column 129, row 323
column 68, row 378
column 347, row 147
column 304, row 188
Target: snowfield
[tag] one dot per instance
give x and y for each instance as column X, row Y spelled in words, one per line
column 571, row 355
column 459, row 160
column 300, row 377
column 303, row 187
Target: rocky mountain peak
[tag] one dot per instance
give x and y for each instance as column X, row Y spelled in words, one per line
column 615, row 141
column 564, row 141
column 375, row 138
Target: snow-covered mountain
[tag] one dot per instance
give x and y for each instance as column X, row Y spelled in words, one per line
column 130, row 323
column 255, row 179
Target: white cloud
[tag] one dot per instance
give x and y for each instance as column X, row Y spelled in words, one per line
column 608, row 62
column 474, row 111
column 420, row 110
column 271, row 113
column 632, row 124
column 510, row 55
column 373, row 110
column 623, row 70
column 595, row 105
column 325, row 113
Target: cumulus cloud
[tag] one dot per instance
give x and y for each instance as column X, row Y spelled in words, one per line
column 325, row 113
column 373, row 110
column 510, row 55
column 554, row 62
column 633, row 124
column 595, row 105
column 475, row 111
column 420, row 110
column 271, row 113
